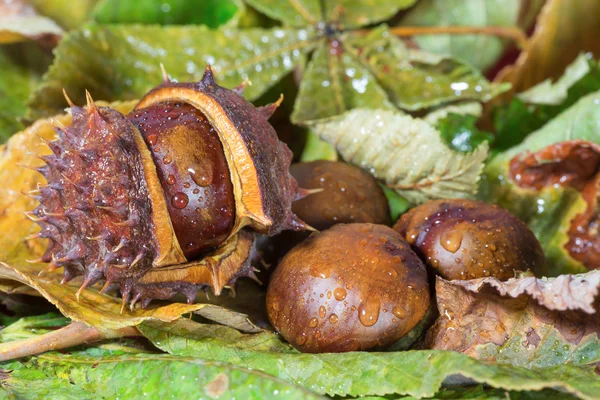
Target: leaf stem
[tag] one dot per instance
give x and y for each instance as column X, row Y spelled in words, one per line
column 74, row 334
column 515, row 34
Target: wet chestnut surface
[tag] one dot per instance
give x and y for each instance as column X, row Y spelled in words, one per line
column 467, row 239
column 349, row 195
column 351, row 287
column 193, row 172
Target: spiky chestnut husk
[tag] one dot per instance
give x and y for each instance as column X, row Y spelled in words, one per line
column 107, row 214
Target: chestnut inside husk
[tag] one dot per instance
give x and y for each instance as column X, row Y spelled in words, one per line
column 467, row 239
column 349, row 195
column 351, row 287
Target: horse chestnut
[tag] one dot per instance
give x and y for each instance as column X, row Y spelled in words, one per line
column 467, row 239
column 351, row 287
column 349, row 195
column 141, row 200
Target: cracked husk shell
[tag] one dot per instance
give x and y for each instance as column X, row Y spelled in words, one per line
column 106, row 214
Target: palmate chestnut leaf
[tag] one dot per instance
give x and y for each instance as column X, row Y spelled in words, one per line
column 406, row 153
column 351, row 67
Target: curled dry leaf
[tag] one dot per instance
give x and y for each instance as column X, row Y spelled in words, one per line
column 563, row 30
column 550, row 181
column 574, row 164
column 405, row 152
column 19, row 21
column 523, row 321
column 91, row 307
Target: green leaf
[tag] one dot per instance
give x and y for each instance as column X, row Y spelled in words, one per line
column 28, row 327
column 22, row 66
column 295, row 13
column 55, row 375
column 336, row 82
column 212, row 13
column 317, row 149
column 527, row 322
column 417, row 373
column 414, row 79
column 123, row 61
column 549, row 210
column 398, row 204
column 535, row 107
column 358, row 13
column 346, row 14
column 480, row 51
column 461, row 133
column 404, row 152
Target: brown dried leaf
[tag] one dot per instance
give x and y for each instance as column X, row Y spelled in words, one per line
column 564, row 29
column 524, row 321
column 19, row 21
column 93, row 308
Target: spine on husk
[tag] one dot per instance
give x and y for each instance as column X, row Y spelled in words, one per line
column 104, row 212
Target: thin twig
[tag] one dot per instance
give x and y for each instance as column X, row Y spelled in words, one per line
column 74, row 334
column 512, row 33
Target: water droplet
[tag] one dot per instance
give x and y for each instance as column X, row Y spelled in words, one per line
column 322, row 271
column 368, row 312
column 313, row 322
column 152, row 140
column 399, row 312
column 167, row 160
column 301, row 340
column 171, row 180
column 451, row 240
column 196, row 191
column 179, row 200
column 322, row 311
column 333, row 319
column 363, row 242
column 339, row 294
column 186, row 185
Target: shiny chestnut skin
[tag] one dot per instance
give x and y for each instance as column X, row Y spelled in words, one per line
column 350, row 195
column 467, row 239
column 193, row 173
column 351, row 287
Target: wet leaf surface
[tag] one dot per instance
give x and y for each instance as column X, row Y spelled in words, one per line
column 106, row 375
column 527, row 322
column 405, row 152
column 416, row 373
column 122, row 62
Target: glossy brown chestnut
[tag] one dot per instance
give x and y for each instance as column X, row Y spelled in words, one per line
column 351, row 287
column 467, row 239
column 193, row 173
column 350, row 195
